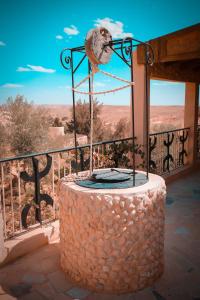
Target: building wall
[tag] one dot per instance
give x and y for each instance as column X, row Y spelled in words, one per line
column 56, row 131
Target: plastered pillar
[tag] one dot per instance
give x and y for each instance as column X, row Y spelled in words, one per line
column 141, row 107
column 191, row 118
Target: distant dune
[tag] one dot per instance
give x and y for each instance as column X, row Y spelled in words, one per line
column 111, row 114
column 164, row 115
column 59, row 110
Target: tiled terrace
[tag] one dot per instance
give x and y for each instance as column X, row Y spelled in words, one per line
column 38, row 275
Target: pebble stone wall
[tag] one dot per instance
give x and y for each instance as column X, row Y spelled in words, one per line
column 113, row 240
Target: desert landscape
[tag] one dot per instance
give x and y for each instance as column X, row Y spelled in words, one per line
column 161, row 117
column 51, row 126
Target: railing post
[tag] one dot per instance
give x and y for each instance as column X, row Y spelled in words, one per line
column 81, row 159
column 191, row 118
column 2, row 248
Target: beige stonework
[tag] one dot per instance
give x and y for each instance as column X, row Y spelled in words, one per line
column 113, row 240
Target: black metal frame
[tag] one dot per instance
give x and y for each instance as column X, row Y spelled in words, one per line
column 36, row 177
column 123, row 48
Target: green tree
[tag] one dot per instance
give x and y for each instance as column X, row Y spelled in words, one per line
column 28, row 129
column 83, row 120
column 122, row 129
column 57, row 122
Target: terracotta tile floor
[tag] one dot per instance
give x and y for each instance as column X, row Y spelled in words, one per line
column 38, row 275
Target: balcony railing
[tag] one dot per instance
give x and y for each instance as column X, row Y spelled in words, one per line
column 29, row 183
column 168, row 150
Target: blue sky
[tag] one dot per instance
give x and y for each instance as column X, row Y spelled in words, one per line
column 33, row 33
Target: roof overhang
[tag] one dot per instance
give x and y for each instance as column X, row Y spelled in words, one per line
column 177, row 55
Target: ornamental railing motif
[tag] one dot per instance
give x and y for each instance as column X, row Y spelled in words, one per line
column 168, row 150
column 28, row 183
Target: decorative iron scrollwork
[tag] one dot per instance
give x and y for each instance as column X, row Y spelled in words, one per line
column 149, row 55
column 126, row 49
column 152, row 146
column 36, row 177
column 183, row 153
column 65, row 59
column 168, row 157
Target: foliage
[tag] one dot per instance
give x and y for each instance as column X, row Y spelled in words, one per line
column 162, row 127
column 57, row 122
column 122, row 129
column 64, row 119
column 28, row 129
column 3, row 139
column 120, row 154
column 83, row 120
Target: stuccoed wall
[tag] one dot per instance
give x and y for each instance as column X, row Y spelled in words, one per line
column 113, row 240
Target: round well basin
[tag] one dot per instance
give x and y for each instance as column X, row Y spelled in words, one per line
column 113, row 240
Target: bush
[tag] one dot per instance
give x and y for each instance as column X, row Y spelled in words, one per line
column 28, row 126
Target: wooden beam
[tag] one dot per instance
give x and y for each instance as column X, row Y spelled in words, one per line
column 177, row 46
column 185, row 72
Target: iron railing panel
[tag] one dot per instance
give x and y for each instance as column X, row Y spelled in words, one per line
column 28, row 183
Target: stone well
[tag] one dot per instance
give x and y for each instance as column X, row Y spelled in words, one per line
column 113, row 240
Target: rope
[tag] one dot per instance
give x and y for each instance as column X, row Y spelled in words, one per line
column 82, row 81
column 95, row 70
column 116, row 77
column 91, row 75
column 102, row 92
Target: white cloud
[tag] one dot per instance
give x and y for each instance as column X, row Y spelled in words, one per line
column 2, row 43
column 72, row 30
column 31, row 68
column 116, row 28
column 23, row 69
column 59, row 37
column 11, row 85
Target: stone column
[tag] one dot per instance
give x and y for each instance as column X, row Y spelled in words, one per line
column 141, row 117
column 191, row 118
